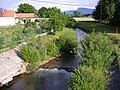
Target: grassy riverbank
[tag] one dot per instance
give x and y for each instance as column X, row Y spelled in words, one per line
column 95, row 27
column 42, row 48
column 98, row 52
column 11, row 36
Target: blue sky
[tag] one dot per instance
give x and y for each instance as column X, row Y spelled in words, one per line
column 13, row 4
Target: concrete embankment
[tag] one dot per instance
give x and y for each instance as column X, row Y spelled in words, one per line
column 10, row 65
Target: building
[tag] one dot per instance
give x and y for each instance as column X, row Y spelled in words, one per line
column 22, row 17
column 10, row 17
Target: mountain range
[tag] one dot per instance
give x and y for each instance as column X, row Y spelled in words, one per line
column 81, row 10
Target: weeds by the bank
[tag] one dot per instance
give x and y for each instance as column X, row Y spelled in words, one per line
column 67, row 41
column 48, row 46
column 98, row 52
column 38, row 50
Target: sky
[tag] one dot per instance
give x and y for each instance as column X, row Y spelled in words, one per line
column 64, row 5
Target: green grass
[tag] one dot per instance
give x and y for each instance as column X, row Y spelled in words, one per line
column 13, row 35
column 96, row 27
column 98, row 52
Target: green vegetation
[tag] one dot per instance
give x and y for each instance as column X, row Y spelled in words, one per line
column 26, row 8
column 38, row 50
column 98, row 52
column 108, row 11
column 67, row 41
column 95, row 27
column 14, row 35
column 57, row 19
column 42, row 48
column 71, row 23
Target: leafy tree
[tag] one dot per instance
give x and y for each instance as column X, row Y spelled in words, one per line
column 57, row 19
column 43, row 12
column 76, row 14
column 26, row 8
column 71, row 23
column 116, row 18
column 104, row 10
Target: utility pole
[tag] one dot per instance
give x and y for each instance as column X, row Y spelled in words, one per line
column 101, row 11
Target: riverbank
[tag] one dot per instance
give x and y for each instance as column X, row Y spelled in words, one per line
column 51, row 76
column 38, row 51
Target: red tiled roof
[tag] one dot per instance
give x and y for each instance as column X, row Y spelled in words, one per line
column 11, row 13
column 25, row 15
column 7, row 13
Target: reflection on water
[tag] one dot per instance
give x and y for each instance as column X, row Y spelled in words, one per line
column 49, row 78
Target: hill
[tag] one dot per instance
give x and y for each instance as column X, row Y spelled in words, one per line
column 81, row 10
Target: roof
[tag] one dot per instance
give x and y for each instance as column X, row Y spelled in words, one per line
column 25, row 15
column 7, row 13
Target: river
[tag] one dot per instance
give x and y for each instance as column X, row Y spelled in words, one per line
column 51, row 76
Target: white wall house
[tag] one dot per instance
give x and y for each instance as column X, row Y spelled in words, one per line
column 10, row 17
column 7, row 21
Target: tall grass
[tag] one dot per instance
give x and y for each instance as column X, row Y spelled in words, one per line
column 42, row 48
column 38, row 50
column 98, row 52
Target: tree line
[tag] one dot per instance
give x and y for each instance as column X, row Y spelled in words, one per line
column 108, row 11
column 57, row 19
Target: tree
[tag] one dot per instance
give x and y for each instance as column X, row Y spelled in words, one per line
column 76, row 14
column 57, row 19
column 43, row 12
column 71, row 23
column 116, row 18
column 26, row 8
column 105, row 10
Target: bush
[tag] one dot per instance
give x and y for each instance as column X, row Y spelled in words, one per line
column 50, row 46
column 71, row 23
column 67, row 41
column 30, row 53
column 38, row 50
column 97, row 53
column 87, row 78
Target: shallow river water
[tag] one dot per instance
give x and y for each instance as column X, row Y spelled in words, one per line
column 51, row 76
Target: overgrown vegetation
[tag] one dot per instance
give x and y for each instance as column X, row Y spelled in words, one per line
column 57, row 19
column 67, row 41
column 38, row 50
column 42, row 48
column 97, row 54
column 14, row 35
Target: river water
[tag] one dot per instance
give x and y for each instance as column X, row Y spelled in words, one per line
column 51, row 76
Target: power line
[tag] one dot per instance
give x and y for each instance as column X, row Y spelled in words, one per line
column 61, row 3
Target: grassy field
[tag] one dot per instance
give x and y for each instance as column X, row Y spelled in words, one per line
column 95, row 26
column 14, row 35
